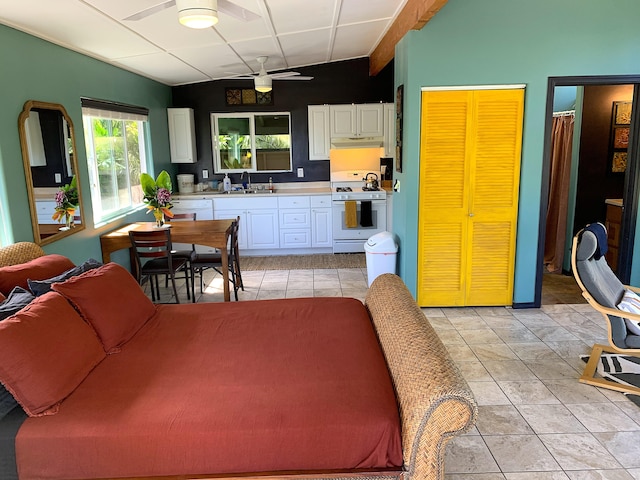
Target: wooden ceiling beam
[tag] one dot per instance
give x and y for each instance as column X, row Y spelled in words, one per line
column 414, row 16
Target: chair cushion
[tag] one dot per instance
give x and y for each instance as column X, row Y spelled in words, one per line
column 46, row 351
column 110, row 299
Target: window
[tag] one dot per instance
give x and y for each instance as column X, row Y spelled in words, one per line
column 257, row 142
column 116, row 155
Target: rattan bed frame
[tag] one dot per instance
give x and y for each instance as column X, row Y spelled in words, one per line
column 435, row 402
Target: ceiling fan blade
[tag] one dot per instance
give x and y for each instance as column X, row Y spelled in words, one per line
column 284, row 74
column 151, row 10
column 293, row 78
column 236, row 11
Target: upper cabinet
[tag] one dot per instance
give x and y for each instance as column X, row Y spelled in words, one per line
column 389, row 143
column 355, row 121
column 182, row 135
column 319, row 134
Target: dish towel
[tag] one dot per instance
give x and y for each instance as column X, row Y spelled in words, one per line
column 350, row 214
column 365, row 214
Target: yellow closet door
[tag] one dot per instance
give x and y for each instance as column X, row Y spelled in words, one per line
column 469, row 179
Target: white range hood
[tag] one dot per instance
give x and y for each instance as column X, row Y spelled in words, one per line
column 356, row 142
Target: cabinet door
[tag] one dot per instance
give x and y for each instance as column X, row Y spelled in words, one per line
column 343, row 120
column 469, row 180
column 389, row 130
column 319, row 132
column 370, row 121
column 262, row 229
column 242, row 227
column 182, row 136
column 321, row 227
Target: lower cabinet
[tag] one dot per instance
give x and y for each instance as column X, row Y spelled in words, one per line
column 278, row 222
column 321, row 234
column 295, row 222
column 258, row 228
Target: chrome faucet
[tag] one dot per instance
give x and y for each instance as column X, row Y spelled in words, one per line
column 248, row 179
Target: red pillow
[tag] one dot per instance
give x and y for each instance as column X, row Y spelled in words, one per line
column 111, row 300
column 39, row 268
column 46, row 351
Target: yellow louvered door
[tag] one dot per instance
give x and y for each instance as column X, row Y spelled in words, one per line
column 469, row 179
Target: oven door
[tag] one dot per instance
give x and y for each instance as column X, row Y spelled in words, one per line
column 360, row 233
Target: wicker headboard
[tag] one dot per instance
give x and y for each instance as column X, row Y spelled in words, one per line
column 20, row 252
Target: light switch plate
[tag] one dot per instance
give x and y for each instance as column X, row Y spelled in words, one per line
column 58, row 178
column 300, row 172
column 205, row 173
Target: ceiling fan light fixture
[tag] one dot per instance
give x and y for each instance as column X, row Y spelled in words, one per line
column 263, row 83
column 197, row 13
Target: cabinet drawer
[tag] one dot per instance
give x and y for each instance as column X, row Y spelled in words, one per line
column 295, row 218
column 294, row 202
column 320, row 201
column 295, row 238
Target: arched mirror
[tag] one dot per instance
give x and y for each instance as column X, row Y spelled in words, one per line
column 51, row 170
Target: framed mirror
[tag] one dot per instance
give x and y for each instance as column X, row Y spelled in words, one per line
column 50, row 165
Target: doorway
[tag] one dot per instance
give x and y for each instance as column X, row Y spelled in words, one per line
column 594, row 177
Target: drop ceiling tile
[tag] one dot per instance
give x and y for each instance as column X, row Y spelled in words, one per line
column 216, row 61
column 354, row 11
column 162, row 67
column 250, row 49
column 76, row 25
column 308, row 15
column 306, row 48
column 355, row 40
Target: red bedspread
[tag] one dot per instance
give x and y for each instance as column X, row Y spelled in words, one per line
column 276, row 385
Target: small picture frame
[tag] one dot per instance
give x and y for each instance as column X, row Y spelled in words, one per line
column 620, row 131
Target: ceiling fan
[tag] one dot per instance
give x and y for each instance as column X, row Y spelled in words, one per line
column 198, row 13
column 263, row 80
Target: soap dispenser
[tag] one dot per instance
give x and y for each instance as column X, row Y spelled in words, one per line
column 226, row 182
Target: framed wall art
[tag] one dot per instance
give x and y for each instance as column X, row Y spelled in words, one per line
column 247, row 96
column 620, row 128
column 399, row 104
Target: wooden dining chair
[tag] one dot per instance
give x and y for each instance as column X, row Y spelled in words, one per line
column 187, row 254
column 203, row 261
column 153, row 254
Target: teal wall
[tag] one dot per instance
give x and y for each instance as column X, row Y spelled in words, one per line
column 33, row 69
column 508, row 42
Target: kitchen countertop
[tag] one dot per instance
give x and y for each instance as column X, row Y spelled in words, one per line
column 279, row 192
column 616, row 202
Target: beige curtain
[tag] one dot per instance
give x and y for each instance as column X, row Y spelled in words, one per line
column 561, row 140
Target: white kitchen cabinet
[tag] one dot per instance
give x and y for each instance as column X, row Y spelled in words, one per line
column 321, row 221
column 295, row 222
column 258, row 228
column 352, row 121
column 319, row 132
column 182, row 135
column 389, row 143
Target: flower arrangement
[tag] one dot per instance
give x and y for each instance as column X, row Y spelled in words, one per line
column 66, row 202
column 157, row 195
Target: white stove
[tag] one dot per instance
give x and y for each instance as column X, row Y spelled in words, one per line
column 349, row 193
column 350, row 185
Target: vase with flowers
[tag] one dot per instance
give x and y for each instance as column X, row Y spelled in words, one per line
column 157, row 195
column 66, row 203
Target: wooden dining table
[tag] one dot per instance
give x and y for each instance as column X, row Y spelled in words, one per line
column 210, row 233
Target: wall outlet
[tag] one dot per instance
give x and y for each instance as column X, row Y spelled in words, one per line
column 300, row 172
column 58, row 177
column 205, row 173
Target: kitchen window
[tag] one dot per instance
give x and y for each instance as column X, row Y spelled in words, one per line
column 254, row 142
column 116, row 155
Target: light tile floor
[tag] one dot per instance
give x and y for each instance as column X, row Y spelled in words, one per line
column 536, row 421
